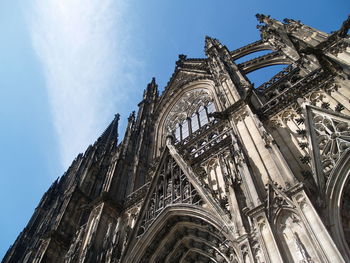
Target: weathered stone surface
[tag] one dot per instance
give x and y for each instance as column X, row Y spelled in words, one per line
column 215, row 170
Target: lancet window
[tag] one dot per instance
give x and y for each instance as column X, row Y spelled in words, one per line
column 190, row 113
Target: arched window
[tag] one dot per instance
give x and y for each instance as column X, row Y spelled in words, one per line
column 190, row 113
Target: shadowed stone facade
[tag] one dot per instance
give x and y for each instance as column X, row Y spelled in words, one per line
column 214, row 169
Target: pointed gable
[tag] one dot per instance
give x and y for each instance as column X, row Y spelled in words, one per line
column 169, row 186
column 329, row 135
column 186, row 71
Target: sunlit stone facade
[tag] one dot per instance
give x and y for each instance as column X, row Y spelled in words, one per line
column 214, row 169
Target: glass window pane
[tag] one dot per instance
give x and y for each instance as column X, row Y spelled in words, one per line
column 203, row 116
column 211, row 107
column 185, row 131
column 194, row 122
column 177, row 132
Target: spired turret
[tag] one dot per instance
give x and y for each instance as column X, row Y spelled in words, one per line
column 215, row 169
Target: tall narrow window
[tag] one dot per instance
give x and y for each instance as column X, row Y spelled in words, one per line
column 203, row 119
column 185, row 130
column 194, row 122
column 178, row 132
column 210, row 109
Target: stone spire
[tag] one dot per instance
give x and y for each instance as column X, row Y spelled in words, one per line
column 151, row 91
column 110, row 136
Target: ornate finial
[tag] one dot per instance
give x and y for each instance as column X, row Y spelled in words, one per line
column 262, row 18
column 182, row 57
column 131, row 116
column 208, row 42
column 152, row 83
column 153, row 80
column 152, row 89
column 343, row 31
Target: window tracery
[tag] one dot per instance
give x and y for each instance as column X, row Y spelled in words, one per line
column 333, row 136
column 190, row 113
column 330, row 137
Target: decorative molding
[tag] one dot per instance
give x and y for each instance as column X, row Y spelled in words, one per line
column 329, row 134
column 186, row 106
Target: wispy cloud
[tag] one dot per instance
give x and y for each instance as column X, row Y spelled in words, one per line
column 82, row 46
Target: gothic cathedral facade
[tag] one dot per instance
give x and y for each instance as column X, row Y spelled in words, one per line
column 215, row 169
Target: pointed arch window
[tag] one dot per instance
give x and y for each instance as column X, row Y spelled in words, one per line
column 190, row 113
column 193, row 123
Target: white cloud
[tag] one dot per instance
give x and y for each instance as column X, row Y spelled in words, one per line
column 82, row 46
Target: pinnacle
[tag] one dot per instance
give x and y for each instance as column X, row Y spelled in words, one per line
column 210, row 42
column 153, row 82
column 208, row 37
column 262, row 18
column 111, row 132
column 131, row 116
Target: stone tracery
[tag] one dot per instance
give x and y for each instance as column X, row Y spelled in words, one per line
column 332, row 133
column 334, row 139
column 189, row 113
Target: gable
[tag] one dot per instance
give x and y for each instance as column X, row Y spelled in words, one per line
column 329, row 134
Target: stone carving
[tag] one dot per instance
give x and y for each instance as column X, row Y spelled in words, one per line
column 313, row 81
column 277, row 199
column 179, row 190
column 188, row 104
column 302, row 252
column 332, row 137
column 240, row 115
column 257, row 252
column 292, row 25
column 291, row 229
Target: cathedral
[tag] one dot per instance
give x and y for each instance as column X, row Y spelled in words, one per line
column 214, row 169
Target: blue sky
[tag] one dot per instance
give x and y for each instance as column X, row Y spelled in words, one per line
column 67, row 66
